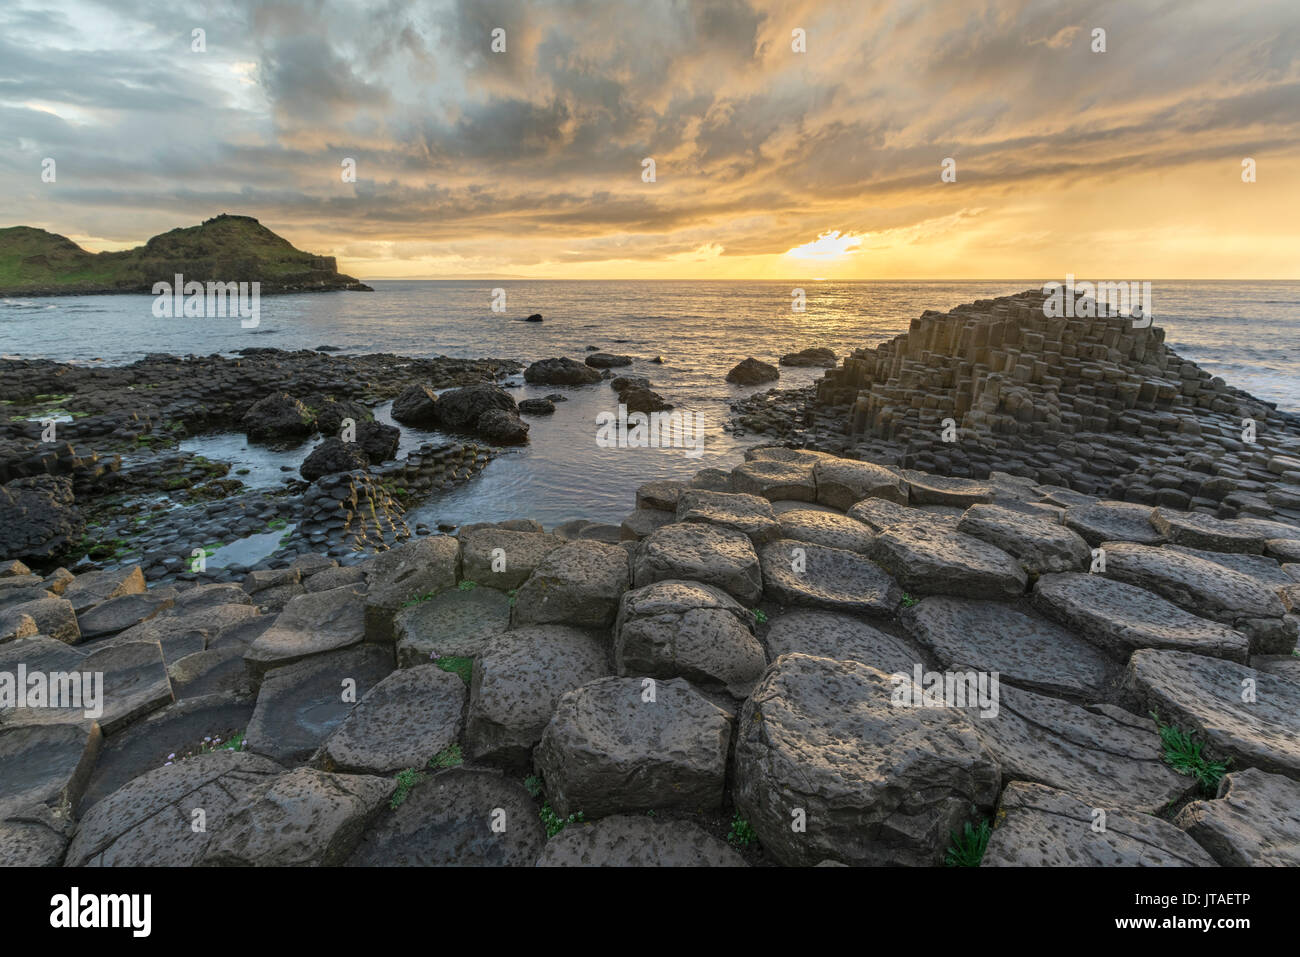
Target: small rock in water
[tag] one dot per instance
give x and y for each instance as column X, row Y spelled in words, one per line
column 535, row 317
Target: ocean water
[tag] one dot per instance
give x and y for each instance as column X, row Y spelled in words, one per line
column 1246, row 332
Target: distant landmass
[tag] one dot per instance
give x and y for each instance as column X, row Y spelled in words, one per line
column 226, row 248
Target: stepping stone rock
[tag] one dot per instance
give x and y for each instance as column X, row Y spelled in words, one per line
column 1039, row 544
column 626, row 840
column 16, row 625
column 927, row 561
column 1204, row 695
column 310, row 625
column 579, row 584
column 842, row 483
column 879, row 514
column 447, row 820
column 299, row 819
column 828, row 634
column 987, row 636
column 1206, row 589
column 773, row 480
column 336, row 578
column 516, row 683
column 94, row 588
column 135, row 682
column 662, row 495
column 926, row 489
column 34, row 837
column 698, row 552
column 519, row 555
column 149, row 743
column 825, row 528
column 209, row 596
column 452, row 624
column 179, row 636
column 1197, row 530
column 121, row 613
column 421, row 567
column 299, row 705
column 748, row 514
column 148, row 821
column 48, row 763
column 1254, row 823
column 684, row 629
column 1040, row 826
column 877, row 784
column 799, row 573
column 642, row 523
column 213, row 671
column 608, row 750
column 1102, row 754
column 403, row 722
column 1113, row 522
column 1122, row 618
column 1263, row 569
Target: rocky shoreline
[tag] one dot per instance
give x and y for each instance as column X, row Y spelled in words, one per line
column 743, row 673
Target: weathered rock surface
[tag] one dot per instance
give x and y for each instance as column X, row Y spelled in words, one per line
column 1039, row 826
column 579, row 584
column 752, row 372
column 798, row 573
column 1122, row 618
column 751, row 515
column 1113, row 522
column 825, row 528
column 927, row 561
column 415, row 570
column 515, row 686
column 607, row 749
column 842, row 483
column 828, row 634
column 878, row 784
column 309, row 625
column 1040, row 545
column 454, row 623
column 503, row 557
column 46, row 764
column 698, row 552
column 1255, row 821
column 775, row 481
column 402, row 722
column 1197, row 530
column 561, row 371
column 636, row 841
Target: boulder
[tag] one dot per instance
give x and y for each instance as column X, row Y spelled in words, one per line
column 821, row 742
column 416, row 405
column 502, row 427
column 776, row 481
column 751, row 515
column 606, row 360
column 611, row 747
column 1039, row 826
column 501, row 557
column 309, row 625
column 331, row 456
column 460, row 409
column 753, row 372
column 561, row 371
column 456, row 624
column 825, row 528
column 815, row 356
column 378, row 441
column 537, row 407
column 277, row 417
column 842, row 483
column 1113, row 522
column 39, row 519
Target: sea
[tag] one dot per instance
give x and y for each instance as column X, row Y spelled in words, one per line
column 1246, row 332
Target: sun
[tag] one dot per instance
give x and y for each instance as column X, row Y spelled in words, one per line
column 828, row 246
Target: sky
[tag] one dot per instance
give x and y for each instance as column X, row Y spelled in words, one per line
column 769, row 162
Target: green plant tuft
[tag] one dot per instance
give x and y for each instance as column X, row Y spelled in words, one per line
column 742, row 833
column 967, row 850
column 406, row 780
column 448, row 757
column 1185, row 753
column 554, row 823
column 457, row 666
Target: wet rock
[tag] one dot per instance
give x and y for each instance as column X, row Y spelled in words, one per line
column 752, row 372
column 704, row 553
column 561, row 371
column 278, row 416
column 416, row 405
column 1122, row 618
column 815, row 356
column 39, row 519
column 876, row 784
column 636, row 841
column 331, row 456
column 608, row 750
column 606, row 360
column 516, row 684
column 799, row 573
column 537, row 407
column 502, row 427
column 1040, row 826
column 462, row 409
